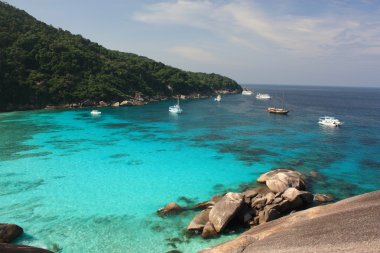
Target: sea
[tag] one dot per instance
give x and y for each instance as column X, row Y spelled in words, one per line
column 82, row 183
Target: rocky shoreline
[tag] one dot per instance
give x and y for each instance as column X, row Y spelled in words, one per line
column 350, row 225
column 137, row 100
column 285, row 191
column 283, row 196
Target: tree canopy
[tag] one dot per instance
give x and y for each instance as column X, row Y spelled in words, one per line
column 41, row 65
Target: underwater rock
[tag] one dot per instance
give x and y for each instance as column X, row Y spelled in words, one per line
column 323, row 197
column 170, row 208
column 314, row 174
column 204, row 205
column 225, row 210
column 12, row 248
column 9, row 232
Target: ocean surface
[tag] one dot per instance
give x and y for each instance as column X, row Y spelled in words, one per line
column 80, row 183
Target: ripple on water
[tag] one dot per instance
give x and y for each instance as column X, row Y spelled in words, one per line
column 9, row 187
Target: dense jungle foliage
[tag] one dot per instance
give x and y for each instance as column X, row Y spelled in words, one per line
column 42, row 65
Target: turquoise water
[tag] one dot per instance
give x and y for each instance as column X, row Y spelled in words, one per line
column 93, row 184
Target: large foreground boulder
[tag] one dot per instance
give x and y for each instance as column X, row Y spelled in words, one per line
column 12, row 248
column 225, row 209
column 351, row 225
column 9, row 232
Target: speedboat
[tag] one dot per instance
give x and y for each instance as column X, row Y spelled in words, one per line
column 263, row 96
column 246, row 91
column 218, row 98
column 329, row 121
column 175, row 108
column 277, row 110
column 95, row 112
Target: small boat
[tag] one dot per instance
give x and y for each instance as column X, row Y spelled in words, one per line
column 277, row 110
column 218, row 98
column 246, row 91
column 263, row 96
column 329, row 121
column 175, row 108
column 95, row 112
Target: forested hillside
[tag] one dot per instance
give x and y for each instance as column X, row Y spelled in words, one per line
column 41, row 65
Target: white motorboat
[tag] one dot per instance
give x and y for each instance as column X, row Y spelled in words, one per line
column 246, row 91
column 329, row 121
column 95, row 112
column 263, row 96
column 175, row 108
column 218, row 98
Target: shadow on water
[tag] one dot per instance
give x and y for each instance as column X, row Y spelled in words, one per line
column 15, row 130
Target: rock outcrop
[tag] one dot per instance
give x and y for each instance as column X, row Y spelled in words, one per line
column 350, row 225
column 11, row 248
column 323, row 197
column 282, row 179
column 170, row 208
column 9, row 232
column 199, row 221
column 225, row 209
column 254, row 206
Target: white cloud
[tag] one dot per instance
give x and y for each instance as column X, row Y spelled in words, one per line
column 245, row 24
column 180, row 12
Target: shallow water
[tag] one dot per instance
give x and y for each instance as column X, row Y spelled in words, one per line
column 93, row 184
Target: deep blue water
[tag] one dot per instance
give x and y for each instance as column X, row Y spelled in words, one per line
column 93, row 184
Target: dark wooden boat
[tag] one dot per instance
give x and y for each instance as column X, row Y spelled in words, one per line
column 277, row 110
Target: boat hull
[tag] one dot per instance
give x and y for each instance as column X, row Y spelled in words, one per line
column 175, row 109
column 330, row 124
column 277, row 111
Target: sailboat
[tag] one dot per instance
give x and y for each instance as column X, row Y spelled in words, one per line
column 218, row 98
column 278, row 110
column 175, row 108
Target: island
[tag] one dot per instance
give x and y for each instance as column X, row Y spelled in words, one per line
column 44, row 66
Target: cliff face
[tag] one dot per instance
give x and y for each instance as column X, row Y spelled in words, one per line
column 41, row 65
column 350, row 225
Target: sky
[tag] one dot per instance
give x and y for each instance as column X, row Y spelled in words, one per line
column 300, row 42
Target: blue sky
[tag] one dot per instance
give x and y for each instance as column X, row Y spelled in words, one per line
column 302, row 42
